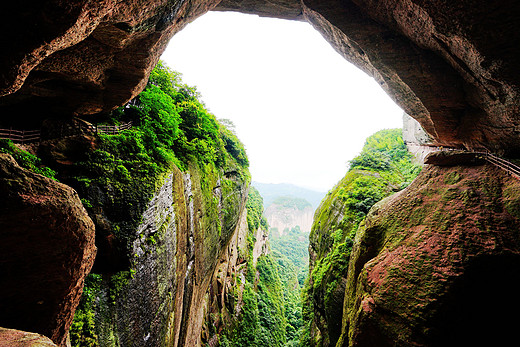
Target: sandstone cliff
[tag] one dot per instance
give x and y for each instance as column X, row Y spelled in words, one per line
column 224, row 306
column 187, row 243
column 430, row 263
column 287, row 213
column 452, row 66
column 383, row 167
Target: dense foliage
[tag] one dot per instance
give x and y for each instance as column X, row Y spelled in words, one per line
column 384, row 166
column 271, row 313
column 255, row 211
column 262, row 320
column 82, row 328
column 291, row 254
column 25, row 159
column 171, row 128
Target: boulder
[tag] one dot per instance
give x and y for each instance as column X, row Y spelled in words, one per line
column 47, row 249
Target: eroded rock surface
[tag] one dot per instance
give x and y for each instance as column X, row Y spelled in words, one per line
column 46, row 251
column 17, row 338
column 433, row 264
column 190, row 231
column 84, row 56
column 452, row 66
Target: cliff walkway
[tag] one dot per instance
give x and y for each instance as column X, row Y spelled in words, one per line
column 20, row 136
column 31, row 136
column 493, row 159
column 510, row 168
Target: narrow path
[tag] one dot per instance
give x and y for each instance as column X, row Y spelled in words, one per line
column 510, row 168
column 27, row 136
column 505, row 165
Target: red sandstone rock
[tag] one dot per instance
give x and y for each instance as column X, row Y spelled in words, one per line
column 286, row 9
column 17, row 338
column 433, row 264
column 46, row 251
column 451, row 65
column 453, row 158
column 83, row 57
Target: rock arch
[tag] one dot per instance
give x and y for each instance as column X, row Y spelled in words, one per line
column 452, row 66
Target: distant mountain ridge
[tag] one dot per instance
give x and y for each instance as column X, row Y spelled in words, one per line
column 271, row 191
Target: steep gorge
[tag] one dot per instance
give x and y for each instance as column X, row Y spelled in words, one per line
column 452, row 66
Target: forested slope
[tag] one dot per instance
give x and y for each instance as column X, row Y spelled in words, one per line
column 383, row 167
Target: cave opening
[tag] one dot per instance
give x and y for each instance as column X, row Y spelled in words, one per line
column 300, row 108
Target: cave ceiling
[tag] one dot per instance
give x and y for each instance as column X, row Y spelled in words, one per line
column 452, row 65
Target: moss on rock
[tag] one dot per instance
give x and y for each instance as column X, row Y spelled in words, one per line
column 416, row 248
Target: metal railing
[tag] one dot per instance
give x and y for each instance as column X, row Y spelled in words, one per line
column 113, row 129
column 505, row 165
column 20, row 136
column 493, row 159
column 29, row 136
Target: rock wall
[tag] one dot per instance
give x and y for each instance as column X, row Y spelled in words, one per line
column 144, row 309
column 223, row 302
column 325, row 293
column 429, row 262
column 336, row 223
column 418, row 142
column 47, row 249
column 282, row 218
column 181, row 253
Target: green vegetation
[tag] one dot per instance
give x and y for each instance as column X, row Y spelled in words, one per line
column 82, row 332
column 384, row 166
column 291, row 254
column 171, row 128
column 25, row 159
column 271, row 313
column 262, row 320
column 120, row 174
column 255, row 211
column 271, row 301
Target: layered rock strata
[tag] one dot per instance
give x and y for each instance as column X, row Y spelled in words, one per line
column 185, row 252
column 282, row 217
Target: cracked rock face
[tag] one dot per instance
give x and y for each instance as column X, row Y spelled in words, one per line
column 47, row 249
column 450, row 65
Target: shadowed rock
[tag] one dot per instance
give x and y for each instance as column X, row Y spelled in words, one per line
column 452, row 66
column 46, row 251
column 17, row 338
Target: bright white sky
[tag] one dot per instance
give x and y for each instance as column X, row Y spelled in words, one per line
column 300, row 109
